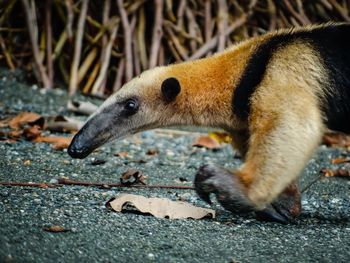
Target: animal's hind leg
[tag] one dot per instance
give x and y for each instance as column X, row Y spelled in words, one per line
column 280, row 144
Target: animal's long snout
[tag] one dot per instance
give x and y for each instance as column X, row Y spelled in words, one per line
column 80, row 146
column 93, row 134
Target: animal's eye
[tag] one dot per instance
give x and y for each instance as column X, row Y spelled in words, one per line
column 131, row 106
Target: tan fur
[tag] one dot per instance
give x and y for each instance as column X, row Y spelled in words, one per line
column 285, row 108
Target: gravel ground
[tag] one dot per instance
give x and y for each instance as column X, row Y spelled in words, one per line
column 99, row 235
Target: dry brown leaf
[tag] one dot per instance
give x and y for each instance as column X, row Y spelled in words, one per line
column 4, row 123
column 132, row 176
column 340, row 160
column 32, row 132
column 336, row 173
column 333, row 139
column 159, row 207
column 58, row 142
column 56, row 229
column 122, row 154
column 221, row 137
column 152, row 152
column 82, row 107
column 207, row 142
column 25, row 117
column 63, row 124
column 14, row 134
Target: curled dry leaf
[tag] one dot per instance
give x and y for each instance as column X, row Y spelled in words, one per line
column 207, row 142
column 341, row 160
column 333, row 139
column 81, row 107
column 56, row 229
column 26, row 118
column 152, row 152
column 58, row 142
column 221, row 137
column 32, row 132
column 63, row 124
column 336, row 173
column 122, row 154
column 159, row 207
column 131, row 177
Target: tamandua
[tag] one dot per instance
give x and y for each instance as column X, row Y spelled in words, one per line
column 274, row 94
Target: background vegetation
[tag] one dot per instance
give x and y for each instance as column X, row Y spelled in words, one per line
column 95, row 46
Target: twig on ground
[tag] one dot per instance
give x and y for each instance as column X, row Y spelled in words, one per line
column 63, row 181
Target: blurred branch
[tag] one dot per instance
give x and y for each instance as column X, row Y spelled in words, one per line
column 73, row 83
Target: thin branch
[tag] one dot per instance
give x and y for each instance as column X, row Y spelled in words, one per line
column 49, row 60
column 222, row 24
column 73, row 83
column 157, row 33
column 127, row 40
column 33, row 34
column 119, row 76
column 63, row 181
column 105, row 63
column 213, row 42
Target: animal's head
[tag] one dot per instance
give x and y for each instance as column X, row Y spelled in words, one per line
column 143, row 103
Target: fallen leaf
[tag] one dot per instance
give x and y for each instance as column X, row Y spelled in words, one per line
column 81, row 107
column 152, row 152
column 63, row 124
column 58, row 142
column 26, row 162
column 15, row 134
column 221, row 137
column 32, row 132
column 336, row 139
column 122, row 154
column 336, row 173
column 159, row 207
column 4, row 122
column 340, row 160
column 26, row 117
column 56, row 229
column 132, row 176
column 207, row 142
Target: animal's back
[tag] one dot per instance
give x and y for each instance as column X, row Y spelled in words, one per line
column 332, row 43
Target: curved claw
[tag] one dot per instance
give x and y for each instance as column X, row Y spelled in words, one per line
column 228, row 190
column 269, row 214
column 204, row 196
column 285, row 209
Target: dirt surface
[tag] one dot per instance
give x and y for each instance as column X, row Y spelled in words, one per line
column 99, row 235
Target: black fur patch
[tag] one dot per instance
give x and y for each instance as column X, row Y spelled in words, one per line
column 170, row 89
column 254, row 73
column 333, row 43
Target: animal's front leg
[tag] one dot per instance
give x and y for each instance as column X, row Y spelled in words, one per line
column 278, row 151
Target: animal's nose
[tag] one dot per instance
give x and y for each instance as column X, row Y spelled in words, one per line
column 75, row 150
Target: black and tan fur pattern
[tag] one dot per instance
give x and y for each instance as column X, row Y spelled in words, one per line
column 275, row 94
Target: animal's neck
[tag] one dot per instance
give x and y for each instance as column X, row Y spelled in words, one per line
column 207, row 86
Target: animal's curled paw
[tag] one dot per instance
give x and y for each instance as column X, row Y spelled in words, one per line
column 285, row 209
column 231, row 194
column 226, row 186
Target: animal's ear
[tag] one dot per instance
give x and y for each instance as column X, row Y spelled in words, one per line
column 170, row 89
